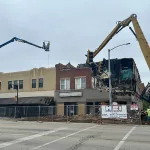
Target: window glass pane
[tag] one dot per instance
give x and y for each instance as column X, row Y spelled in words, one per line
column 33, row 80
column 40, row 82
column 77, row 83
column 9, row 84
column 33, row 83
column 20, row 84
column 20, row 81
column 83, row 83
column 62, row 81
column 62, row 87
column 62, row 84
column 67, row 84
column 16, row 82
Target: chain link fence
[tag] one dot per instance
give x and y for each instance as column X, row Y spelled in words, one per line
column 120, row 114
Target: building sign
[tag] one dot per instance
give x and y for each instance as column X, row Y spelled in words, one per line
column 117, row 111
column 70, row 94
column 134, row 107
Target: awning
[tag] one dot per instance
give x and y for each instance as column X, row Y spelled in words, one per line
column 27, row 100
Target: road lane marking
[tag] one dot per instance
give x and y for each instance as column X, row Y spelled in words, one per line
column 64, row 137
column 124, row 139
column 2, row 145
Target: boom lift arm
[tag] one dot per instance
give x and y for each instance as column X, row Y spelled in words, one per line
column 138, row 34
column 45, row 45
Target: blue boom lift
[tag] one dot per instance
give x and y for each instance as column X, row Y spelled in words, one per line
column 45, row 46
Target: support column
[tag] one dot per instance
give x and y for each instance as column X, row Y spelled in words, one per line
column 60, row 109
column 81, row 109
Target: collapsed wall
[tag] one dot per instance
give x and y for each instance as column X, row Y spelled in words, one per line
column 124, row 75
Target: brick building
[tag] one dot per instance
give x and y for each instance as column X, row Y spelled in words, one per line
column 74, row 87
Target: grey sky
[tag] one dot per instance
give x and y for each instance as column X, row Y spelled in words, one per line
column 73, row 27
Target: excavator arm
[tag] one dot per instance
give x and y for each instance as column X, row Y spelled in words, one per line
column 138, row 34
column 118, row 28
column 45, row 45
column 142, row 40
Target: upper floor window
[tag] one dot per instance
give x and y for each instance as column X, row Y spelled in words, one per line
column 15, row 86
column 40, row 82
column 9, row 85
column 80, row 83
column 15, row 82
column 20, row 84
column 33, row 83
column 64, row 84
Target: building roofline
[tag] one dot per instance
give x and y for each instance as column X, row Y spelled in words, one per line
column 27, row 70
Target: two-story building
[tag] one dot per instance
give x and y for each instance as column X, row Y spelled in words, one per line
column 74, row 87
column 35, row 86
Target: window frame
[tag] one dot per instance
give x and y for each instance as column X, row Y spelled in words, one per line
column 33, row 87
column 15, row 83
column 20, row 85
column 80, row 77
column 39, row 84
column 9, row 84
column 65, row 83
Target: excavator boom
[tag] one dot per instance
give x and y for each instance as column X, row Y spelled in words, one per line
column 138, row 34
column 118, row 28
column 142, row 41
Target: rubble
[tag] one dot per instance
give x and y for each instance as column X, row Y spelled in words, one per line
column 80, row 119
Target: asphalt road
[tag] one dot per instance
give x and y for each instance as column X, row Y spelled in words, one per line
column 72, row 136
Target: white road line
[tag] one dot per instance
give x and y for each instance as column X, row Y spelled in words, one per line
column 64, row 137
column 10, row 134
column 2, row 145
column 124, row 139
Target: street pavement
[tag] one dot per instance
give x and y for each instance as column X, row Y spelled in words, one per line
column 72, row 136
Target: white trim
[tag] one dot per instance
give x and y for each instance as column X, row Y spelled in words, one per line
column 65, row 83
column 80, row 77
column 28, row 94
column 80, row 82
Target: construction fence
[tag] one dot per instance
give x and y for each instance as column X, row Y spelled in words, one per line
column 72, row 113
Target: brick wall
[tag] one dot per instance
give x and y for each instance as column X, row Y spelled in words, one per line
column 69, row 71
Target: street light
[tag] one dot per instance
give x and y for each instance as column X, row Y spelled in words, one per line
column 109, row 72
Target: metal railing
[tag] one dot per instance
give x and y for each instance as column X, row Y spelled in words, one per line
column 73, row 113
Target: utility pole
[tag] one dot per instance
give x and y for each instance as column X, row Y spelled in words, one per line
column 17, row 93
column 109, row 72
column 110, row 88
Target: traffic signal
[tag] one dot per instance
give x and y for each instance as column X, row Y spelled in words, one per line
column 101, row 67
column 89, row 57
column 46, row 45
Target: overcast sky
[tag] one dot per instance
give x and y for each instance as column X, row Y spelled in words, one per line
column 73, row 27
